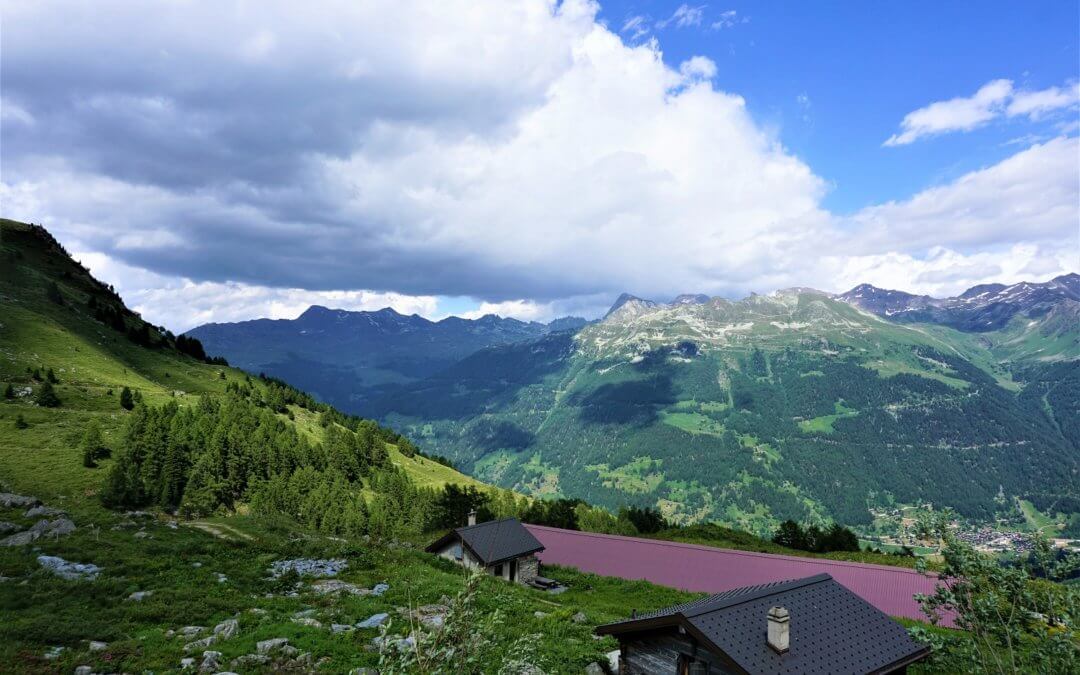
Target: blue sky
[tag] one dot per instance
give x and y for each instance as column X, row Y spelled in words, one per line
column 862, row 66
column 227, row 160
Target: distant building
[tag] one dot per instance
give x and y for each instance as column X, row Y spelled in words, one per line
column 503, row 548
column 811, row 625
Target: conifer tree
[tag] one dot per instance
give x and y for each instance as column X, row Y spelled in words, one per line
column 9, row 391
column 126, row 401
column 92, row 446
column 46, row 396
column 50, row 376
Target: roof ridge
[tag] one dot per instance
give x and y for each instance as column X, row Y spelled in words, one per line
column 756, row 593
column 730, row 551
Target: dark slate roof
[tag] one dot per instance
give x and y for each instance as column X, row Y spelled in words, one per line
column 832, row 629
column 494, row 541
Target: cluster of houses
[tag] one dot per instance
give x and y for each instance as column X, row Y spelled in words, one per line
column 808, row 625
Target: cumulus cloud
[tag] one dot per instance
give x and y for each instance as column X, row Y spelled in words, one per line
column 519, row 153
column 993, row 100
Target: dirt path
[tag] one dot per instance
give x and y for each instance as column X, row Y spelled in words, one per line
column 227, row 532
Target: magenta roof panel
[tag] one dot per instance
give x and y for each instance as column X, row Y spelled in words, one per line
column 714, row 570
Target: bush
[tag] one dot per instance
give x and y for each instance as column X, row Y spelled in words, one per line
column 20, row 422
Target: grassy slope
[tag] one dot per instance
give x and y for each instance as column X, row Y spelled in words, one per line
column 41, row 611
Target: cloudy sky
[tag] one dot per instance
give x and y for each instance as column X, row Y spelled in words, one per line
column 223, row 160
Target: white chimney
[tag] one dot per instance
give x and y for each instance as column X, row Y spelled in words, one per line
column 472, row 517
column 779, row 629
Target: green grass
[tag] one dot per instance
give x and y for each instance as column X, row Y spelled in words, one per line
column 692, row 422
column 640, row 476
column 824, row 424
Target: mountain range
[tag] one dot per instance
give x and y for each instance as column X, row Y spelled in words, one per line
column 798, row 404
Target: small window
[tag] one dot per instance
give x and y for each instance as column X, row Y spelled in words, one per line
column 457, row 552
column 498, row 570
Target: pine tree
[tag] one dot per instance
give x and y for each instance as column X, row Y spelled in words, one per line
column 9, row 391
column 92, row 446
column 51, row 376
column 126, row 401
column 46, row 396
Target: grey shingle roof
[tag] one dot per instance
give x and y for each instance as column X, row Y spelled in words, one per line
column 494, row 541
column 832, row 629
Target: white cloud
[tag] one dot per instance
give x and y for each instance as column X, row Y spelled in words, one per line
column 181, row 304
column 958, row 114
column 729, row 19
column 684, row 17
column 1035, row 104
column 636, row 26
column 519, row 153
column 993, row 100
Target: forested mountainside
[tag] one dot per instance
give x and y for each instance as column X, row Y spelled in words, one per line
column 795, row 405
column 345, row 358
column 161, row 511
column 161, row 424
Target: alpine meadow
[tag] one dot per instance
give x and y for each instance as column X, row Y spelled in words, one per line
column 539, row 337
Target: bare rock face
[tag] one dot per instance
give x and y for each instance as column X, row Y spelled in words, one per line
column 42, row 511
column 7, row 528
column 227, row 629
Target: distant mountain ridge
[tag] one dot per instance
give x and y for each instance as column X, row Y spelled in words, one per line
column 341, row 355
column 981, row 308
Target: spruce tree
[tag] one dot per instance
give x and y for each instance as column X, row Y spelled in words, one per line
column 92, row 446
column 51, row 376
column 126, row 401
column 9, row 391
column 46, row 396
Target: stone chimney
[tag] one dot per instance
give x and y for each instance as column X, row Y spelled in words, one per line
column 472, row 517
column 779, row 629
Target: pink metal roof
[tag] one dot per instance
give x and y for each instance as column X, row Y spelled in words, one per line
column 713, row 570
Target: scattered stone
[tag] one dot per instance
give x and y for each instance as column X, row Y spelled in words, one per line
column 3, row 579
column 613, row 660
column 258, row 610
column 173, row 525
column 328, row 586
column 249, row 661
column 187, row 662
column 400, row 644
column 272, row 645
column 98, row 646
column 53, row 653
column 305, row 613
column 42, row 511
column 138, row 514
column 142, row 534
column 221, row 578
column 210, row 662
column 374, row 621
column 379, row 589
column 200, row 644
column 363, row 671
column 6, row 527
column 69, row 570
column 308, row 567
column 57, row 528
column 307, row 621
column 594, row 669
column 539, row 615
column 189, row 631
column 196, row 565
column 340, row 628
column 84, row 670
column 432, row 616
column 9, row 500
column 579, row 618
column 139, row 596
column 227, row 629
